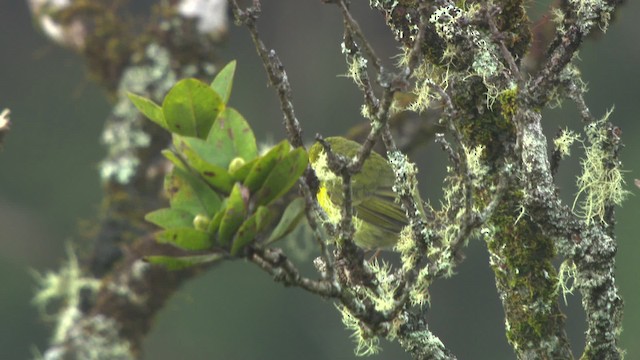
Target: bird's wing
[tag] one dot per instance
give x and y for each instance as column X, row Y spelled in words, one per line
column 381, row 209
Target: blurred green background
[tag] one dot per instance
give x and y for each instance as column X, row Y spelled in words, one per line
column 49, row 184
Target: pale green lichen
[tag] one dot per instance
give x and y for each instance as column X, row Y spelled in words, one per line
column 366, row 112
column 557, row 17
column 567, row 274
column 406, row 246
column 452, row 191
column 366, row 342
column 487, row 65
column 591, row 13
column 63, row 288
column 123, row 290
column 476, row 165
column 563, row 142
column 357, row 66
column 424, row 97
column 522, row 211
column 427, row 77
column 601, row 183
column 383, row 299
column 419, row 293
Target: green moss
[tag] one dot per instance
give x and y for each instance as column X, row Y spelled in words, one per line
column 508, row 102
column 521, row 259
column 520, row 253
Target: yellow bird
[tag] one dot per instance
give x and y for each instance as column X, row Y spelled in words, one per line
column 378, row 216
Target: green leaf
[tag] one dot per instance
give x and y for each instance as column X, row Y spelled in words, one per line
column 231, row 136
column 283, row 176
column 191, row 107
column 186, row 238
column 250, row 228
column 149, row 109
column 202, row 149
column 183, row 262
column 264, row 217
column 175, row 160
column 170, row 218
column 265, row 164
column 214, row 175
column 245, row 234
column 234, row 214
column 288, row 221
column 189, row 193
column 214, row 225
column 223, row 82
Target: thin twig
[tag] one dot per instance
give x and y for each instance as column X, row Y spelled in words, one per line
column 283, row 270
column 355, row 29
column 498, row 38
column 274, row 68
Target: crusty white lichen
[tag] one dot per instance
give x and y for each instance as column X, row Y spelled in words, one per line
column 93, row 338
column 445, row 20
column 123, row 134
column 487, row 64
column 424, row 345
column 592, row 13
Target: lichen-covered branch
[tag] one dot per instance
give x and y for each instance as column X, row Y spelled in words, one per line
column 274, row 69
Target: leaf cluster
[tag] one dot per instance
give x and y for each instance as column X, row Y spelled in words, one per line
column 222, row 193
